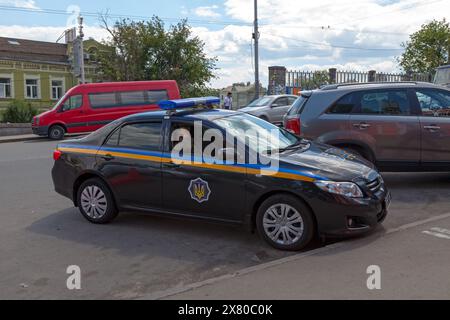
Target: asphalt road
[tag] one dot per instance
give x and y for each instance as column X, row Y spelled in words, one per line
column 41, row 234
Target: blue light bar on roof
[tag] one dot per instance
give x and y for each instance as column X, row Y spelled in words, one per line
column 188, row 103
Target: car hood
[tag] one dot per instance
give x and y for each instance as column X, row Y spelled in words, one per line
column 327, row 162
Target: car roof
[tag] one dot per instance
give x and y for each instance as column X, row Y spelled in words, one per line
column 376, row 85
column 192, row 114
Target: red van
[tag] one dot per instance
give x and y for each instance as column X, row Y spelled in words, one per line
column 88, row 107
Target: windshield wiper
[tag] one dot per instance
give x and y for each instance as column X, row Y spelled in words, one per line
column 299, row 144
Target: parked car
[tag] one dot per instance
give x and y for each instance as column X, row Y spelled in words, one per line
column 131, row 165
column 398, row 126
column 442, row 76
column 271, row 108
column 88, row 107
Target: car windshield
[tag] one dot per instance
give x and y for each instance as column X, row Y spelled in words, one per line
column 59, row 102
column 443, row 76
column 258, row 134
column 260, row 102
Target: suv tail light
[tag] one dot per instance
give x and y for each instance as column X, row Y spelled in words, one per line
column 57, row 154
column 293, row 125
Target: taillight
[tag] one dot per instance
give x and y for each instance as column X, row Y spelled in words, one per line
column 57, row 154
column 293, row 125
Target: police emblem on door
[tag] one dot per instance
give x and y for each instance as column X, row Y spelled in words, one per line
column 199, row 190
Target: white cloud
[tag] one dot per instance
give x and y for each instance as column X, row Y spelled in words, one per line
column 207, row 11
column 27, row 4
column 299, row 35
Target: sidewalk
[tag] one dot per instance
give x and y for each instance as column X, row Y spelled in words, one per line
column 414, row 262
column 31, row 137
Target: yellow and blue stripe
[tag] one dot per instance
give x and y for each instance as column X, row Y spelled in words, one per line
column 283, row 173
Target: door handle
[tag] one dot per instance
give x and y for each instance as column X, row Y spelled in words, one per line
column 362, row 126
column 432, row 128
column 108, row 157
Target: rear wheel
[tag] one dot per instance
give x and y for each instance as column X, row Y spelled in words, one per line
column 96, row 202
column 285, row 222
column 56, row 132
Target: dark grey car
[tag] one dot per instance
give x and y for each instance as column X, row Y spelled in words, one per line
column 398, row 126
column 271, row 108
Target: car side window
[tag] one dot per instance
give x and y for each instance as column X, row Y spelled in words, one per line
column 389, row 102
column 138, row 136
column 345, row 105
column 281, row 102
column 291, row 101
column 434, row 103
column 72, row 103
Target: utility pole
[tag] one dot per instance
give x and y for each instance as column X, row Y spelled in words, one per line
column 256, row 38
column 81, row 52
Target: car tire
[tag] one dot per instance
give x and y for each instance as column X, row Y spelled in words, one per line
column 56, row 132
column 96, row 202
column 296, row 227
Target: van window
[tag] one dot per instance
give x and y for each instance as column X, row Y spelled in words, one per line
column 133, row 97
column 389, row 102
column 103, row 100
column 72, row 103
column 344, row 106
column 156, row 96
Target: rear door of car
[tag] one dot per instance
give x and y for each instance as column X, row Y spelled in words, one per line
column 435, row 125
column 130, row 160
column 387, row 120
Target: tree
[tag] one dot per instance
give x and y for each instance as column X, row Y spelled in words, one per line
column 147, row 51
column 428, row 48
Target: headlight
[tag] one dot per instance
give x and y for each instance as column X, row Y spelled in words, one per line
column 347, row 189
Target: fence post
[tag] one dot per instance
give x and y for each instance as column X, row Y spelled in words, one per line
column 372, row 75
column 332, row 74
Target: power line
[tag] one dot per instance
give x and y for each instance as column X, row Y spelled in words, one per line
column 335, row 45
column 411, row 6
column 121, row 16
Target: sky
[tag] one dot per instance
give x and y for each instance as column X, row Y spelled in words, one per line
column 358, row 35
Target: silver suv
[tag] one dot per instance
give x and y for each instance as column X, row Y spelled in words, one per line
column 271, row 108
column 402, row 126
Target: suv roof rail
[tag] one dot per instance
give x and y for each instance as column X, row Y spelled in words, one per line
column 338, row 85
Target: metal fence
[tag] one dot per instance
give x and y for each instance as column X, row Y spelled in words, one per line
column 309, row 80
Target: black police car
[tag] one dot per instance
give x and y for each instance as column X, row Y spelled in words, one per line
column 129, row 165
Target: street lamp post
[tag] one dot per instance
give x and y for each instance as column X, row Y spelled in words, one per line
column 81, row 58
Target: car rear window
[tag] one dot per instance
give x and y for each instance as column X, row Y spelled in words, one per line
column 385, row 102
column 298, row 105
column 137, row 136
column 345, row 105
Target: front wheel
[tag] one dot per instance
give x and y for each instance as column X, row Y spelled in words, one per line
column 285, row 222
column 96, row 202
column 56, row 132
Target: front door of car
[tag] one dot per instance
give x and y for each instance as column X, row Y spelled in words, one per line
column 386, row 120
column 130, row 161
column 435, row 125
column 278, row 109
column 72, row 113
column 197, row 188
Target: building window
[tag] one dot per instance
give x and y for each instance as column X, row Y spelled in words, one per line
column 5, row 88
column 32, row 88
column 57, row 89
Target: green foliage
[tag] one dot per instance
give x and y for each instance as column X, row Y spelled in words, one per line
column 319, row 79
column 427, row 48
column 147, row 51
column 19, row 112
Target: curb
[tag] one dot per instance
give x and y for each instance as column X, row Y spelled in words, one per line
column 33, row 138
column 20, row 139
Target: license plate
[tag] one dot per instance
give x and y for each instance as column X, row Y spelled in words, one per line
column 388, row 200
